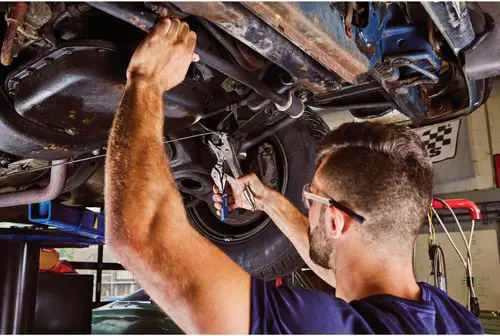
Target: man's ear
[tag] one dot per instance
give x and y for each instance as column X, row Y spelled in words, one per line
column 338, row 220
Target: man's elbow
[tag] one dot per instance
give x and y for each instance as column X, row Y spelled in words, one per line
column 125, row 242
column 133, row 254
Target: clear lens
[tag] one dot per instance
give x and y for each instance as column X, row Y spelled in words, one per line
column 306, row 201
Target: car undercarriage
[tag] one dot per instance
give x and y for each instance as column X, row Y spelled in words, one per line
column 265, row 71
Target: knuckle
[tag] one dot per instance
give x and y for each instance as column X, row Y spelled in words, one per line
column 153, row 39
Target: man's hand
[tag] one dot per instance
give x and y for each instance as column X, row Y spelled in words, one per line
column 260, row 192
column 163, row 57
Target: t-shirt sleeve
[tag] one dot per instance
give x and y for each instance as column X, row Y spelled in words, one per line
column 284, row 310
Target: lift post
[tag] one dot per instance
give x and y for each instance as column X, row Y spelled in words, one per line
column 20, row 249
column 19, row 276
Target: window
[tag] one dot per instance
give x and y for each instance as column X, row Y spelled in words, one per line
column 114, row 283
column 124, row 275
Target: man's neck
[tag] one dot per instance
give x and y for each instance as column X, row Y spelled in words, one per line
column 363, row 276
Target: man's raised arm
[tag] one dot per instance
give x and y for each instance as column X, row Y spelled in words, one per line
column 193, row 281
column 290, row 220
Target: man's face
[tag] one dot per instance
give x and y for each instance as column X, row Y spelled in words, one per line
column 321, row 244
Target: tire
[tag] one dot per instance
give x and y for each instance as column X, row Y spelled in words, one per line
column 269, row 254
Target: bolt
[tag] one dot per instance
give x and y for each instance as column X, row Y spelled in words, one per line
column 302, row 96
column 71, row 131
column 402, row 44
column 96, row 152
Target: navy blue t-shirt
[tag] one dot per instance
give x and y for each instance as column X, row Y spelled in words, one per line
column 284, row 310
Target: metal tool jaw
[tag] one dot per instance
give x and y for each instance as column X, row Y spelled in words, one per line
column 217, row 173
column 226, row 153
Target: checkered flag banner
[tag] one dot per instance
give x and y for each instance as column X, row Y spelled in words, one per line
column 440, row 140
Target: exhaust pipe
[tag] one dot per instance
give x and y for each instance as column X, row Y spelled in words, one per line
column 50, row 192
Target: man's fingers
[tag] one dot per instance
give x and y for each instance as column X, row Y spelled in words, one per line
column 174, row 29
column 218, row 198
column 183, row 30
column 162, row 27
column 218, row 207
column 191, row 45
column 190, row 40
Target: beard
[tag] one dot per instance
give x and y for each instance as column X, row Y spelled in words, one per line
column 321, row 247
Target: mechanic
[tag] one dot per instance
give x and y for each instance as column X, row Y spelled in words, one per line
column 379, row 176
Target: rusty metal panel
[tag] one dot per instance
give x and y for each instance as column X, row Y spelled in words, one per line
column 318, row 30
column 16, row 15
column 249, row 29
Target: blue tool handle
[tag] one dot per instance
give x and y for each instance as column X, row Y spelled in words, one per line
column 224, row 211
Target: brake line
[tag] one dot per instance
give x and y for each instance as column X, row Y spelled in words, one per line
column 97, row 156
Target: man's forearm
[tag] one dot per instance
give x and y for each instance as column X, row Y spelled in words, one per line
column 135, row 158
column 140, row 189
column 294, row 225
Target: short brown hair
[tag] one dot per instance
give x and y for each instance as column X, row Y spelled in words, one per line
column 383, row 173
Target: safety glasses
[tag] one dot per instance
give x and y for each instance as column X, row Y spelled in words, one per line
column 308, row 196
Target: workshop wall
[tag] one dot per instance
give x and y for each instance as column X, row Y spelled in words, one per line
column 483, row 127
column 485, row 260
